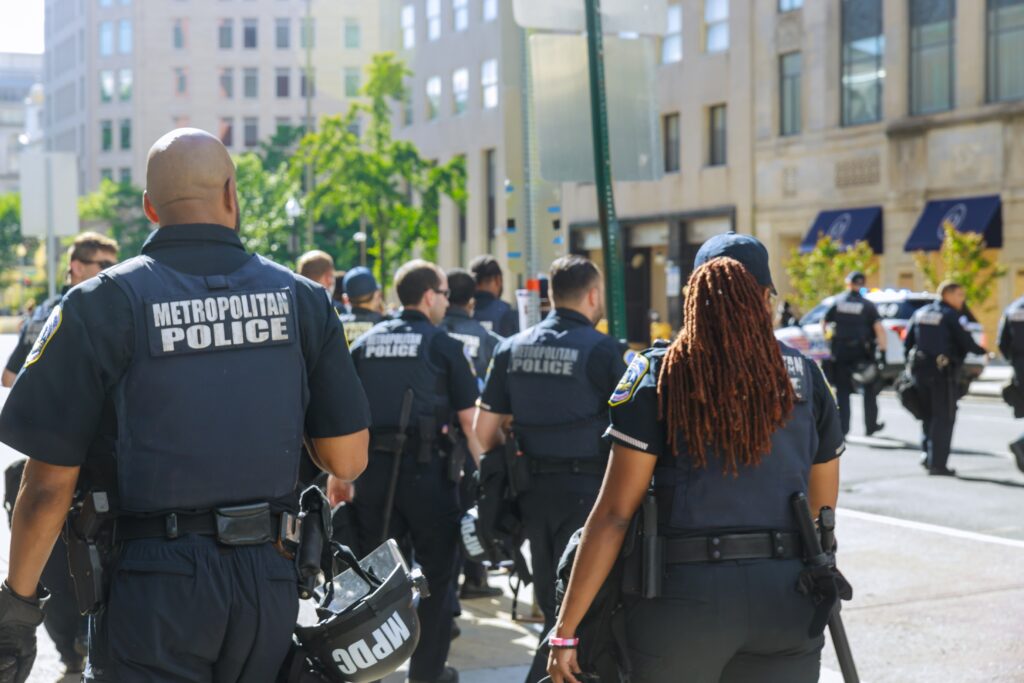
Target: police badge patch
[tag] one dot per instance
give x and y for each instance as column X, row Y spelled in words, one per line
column 630, row 381
column 45, row 335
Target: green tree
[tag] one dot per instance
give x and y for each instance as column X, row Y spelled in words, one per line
column 822, row 271
column 375, row 177
column 962, row 259
column 10, row 229
column 263, row 194
column 118, row 208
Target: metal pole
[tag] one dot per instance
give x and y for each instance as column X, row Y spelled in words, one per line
column 51, row 238
column 310, row 127
column 615, row 284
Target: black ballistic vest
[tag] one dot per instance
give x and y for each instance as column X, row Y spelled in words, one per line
column 932, row 333
column 210, row 412
column 358, row 322
column 852, row 331
column 1015, row 319
column 475, row 338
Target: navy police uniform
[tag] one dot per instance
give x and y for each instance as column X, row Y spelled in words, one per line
column 478, row 341
column 554, row 379
column 726, row 620
column 198, row 367
column 853, row 344
column 358, row 322
column 937, row 344
column 1011, row 345
column 495, row 315
column 397, row 355
column 29, row 331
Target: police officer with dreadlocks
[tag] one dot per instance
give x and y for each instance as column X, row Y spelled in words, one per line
column 857, row 334
column 729, row 423
column 197, row 370
column 552, row 382
column 937, row 344
column 365, row 303
column 1011, row 345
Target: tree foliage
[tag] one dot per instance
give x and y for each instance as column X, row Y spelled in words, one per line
column 263, row 193
column 822, row 271
column 117, row 209
column 962, row 259
column 10, row 229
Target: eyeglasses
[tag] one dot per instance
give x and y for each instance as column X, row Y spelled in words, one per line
column 447, row 293
column 102, row 263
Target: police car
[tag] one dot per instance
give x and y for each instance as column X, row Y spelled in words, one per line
column 895, row 306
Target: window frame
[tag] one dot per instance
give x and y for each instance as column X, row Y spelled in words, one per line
column 254, row 24
column 226, row 81
column 671, row 145
column 433, row 14
column 914, row 52
column 460, row 16
column 785, row 6
column 348, row 25
column 460, row 100
column 490, row 92
column 407, row 17
column 671, row 37
column 433, row 101
column 718, row 138
column 845, row 118
column 254, row 72
column 712, row 24
column 796, row 98
column 993, row 31
column 226, row 29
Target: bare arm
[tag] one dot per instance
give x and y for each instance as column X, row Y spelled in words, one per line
column 43, row 503
column 8, row 378
column 466, row 422
column 490, row 428
column 823, row 487
column 342, row 456
column 880, row 335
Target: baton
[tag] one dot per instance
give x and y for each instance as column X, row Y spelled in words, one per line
column 403, row 425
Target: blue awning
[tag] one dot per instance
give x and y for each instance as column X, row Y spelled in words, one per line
column 847, row 226
column 981, row 215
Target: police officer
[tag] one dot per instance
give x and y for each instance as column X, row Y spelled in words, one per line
column 1011, row 345
column 197, row 368
column 936, row 344
column 857, row 333
column 729, row 423
column 459, row 322
column 493, row 313
column 88, row 255
column 553, row 380
column 415, row 374
column 318, row 266
column 366, row 305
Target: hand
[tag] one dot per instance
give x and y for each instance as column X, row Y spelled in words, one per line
column 562, row 665
column 339, row 491
column 19, row 618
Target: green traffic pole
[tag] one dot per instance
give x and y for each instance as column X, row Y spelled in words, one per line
column 614, row 276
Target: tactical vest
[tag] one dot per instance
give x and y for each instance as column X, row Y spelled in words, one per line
column 211, row 410
column 559, row 413
column 852, row 332
column 931, row 332
column 692, row 500
column 35, row 323
column 395, row 356
column 479, row 344
column 1015, row 319
column 358, row 322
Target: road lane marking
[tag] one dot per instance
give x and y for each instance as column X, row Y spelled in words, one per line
column 932, row 528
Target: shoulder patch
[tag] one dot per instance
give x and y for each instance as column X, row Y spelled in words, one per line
column 50, row 328
column 627, row 386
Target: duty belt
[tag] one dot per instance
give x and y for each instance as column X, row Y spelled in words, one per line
column 567, row 466
column 240, row 525
column 779, row 545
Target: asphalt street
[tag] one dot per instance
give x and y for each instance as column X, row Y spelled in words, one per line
column 937, row 563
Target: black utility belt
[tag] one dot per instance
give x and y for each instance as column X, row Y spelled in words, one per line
column 761, row 545
column 237, row 525
column 566, row 465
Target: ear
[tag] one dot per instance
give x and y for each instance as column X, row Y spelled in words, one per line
column 229, row 197
column 74, row 268
column 149, row 209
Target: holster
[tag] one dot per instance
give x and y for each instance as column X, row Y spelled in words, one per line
column 87, row 534
column 427, row 430
column 315, row 533
column 458, row 451
column 12, row 482
column 518, row 468
column 643, row 553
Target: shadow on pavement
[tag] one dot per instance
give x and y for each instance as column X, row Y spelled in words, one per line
column 988, row 480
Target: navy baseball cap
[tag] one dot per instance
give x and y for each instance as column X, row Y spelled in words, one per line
column 856, row 276
column 743, row 248
column 359, row 282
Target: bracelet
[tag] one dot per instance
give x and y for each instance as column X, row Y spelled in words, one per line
column 563, row 643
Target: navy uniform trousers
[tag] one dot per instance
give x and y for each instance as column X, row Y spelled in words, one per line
column 941, row 394
column 730, row 622
column 191, row 610
column 427, row 510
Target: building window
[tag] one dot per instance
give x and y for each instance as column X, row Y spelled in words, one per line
column 226, row 34
column 407, row 111
column 180, row 81
column 283, row 34
column 251, row 83
column 250, row 30
column 353, row 34
column 670, row 135
column 282, row 124
column 125, row 82
column 408, row 27
column 106, row 135
column 862, row 56
column 460, row 15
column 672, row 43
column 227, row 83
column 790, row 76
column 433, row 97
column 932, row 68
column 489, row 83
column 307, row 83
column 107, row 86
column 490, row 10
column 251, row 131
column 227, row 131
column 716, row 25
column 433, row 19
column 126, row 176
column 353, row 78
column 282, row 84
column 460, row 90
column 716, row 136
column 124, row 36
column 790, row 5
column 106, row 174
column 126, row 134
column 1005, row 50
column 178, row 34
column 106, row 38
column 307, row 37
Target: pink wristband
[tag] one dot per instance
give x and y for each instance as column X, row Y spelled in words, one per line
column 564, row 643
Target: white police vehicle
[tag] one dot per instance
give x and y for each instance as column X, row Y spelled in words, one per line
column 895, row 306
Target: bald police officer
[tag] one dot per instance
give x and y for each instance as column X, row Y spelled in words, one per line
column 412, row 357
column 366, row 305
column 197, row 369
column 553, row 382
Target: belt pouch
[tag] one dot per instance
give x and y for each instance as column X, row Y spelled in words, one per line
column 244, row 524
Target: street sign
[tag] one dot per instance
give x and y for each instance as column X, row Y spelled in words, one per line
column 49, row 193
column 643, row 17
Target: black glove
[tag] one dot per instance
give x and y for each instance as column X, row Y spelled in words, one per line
column 19, row 619
column 827, row 586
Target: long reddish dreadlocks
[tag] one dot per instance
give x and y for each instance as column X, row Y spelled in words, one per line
column 723, row 383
